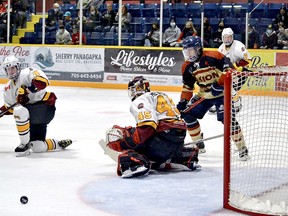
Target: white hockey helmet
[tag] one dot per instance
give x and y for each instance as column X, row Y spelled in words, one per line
column 12, row 68
column 227, row 36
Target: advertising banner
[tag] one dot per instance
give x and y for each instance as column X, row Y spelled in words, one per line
column 160, row 67
column 70, row 64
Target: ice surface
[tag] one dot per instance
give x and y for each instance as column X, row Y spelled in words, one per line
column 81, row 180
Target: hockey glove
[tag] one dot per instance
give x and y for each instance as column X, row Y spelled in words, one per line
column 22, row 97
column 216, row 89
column 182, row 105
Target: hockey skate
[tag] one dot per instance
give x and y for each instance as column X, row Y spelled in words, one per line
column 201, row 147
column 135, row 171
column 23, row 150
column 65, row 143
column 243, row 154
column 212, row 110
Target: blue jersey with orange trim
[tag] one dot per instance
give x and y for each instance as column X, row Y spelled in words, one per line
column 208, row 70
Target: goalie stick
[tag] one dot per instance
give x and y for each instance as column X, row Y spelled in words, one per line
column 114, row 154
column 7, row 109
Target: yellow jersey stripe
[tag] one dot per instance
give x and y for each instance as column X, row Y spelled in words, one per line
column 42, row 79
column 150, row 123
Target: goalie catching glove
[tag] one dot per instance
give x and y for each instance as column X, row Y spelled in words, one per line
column 120, row 139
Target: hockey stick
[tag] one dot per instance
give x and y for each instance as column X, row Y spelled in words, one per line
column 7, row 109
column 205, row 139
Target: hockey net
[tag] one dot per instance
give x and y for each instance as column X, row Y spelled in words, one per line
column 258, row 186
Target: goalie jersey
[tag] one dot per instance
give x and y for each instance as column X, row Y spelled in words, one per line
column 157, row 110
column 28, row 76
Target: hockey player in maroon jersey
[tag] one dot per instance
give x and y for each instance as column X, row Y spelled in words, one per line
column 33, row 107
column 206, row 69
column 158, row 137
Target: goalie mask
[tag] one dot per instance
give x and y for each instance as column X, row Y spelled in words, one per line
column 227, row 36
column 12, row 68
column 138, row 86
column 192, row 48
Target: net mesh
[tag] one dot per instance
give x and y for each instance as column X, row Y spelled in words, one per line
column 261, row 183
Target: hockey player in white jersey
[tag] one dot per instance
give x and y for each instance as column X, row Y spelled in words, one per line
column 240, row 58
column 157, row 139
column 32, row 107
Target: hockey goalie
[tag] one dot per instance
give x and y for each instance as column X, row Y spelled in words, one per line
column 157, row 141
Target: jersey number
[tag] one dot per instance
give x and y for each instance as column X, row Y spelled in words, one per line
column 166, row 105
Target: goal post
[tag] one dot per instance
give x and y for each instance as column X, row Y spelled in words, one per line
column 258, row 186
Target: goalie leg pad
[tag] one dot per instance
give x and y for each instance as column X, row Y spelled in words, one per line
column 131, row 164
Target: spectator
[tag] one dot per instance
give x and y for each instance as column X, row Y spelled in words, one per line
column 217, row 36
column 125, row 21
column 76, row 37
column 93, row 20
column 253, row 38
column 88, row 3
column 281, row 17
column 62, row 36
column 153, row 36
column 20, row 7
column 108, row 18
column 3, row 24
column 269, row 39
column 68, row 22
column 77, row 19
column 54, row 16
column 32, row 7
column 208, row 42
column 171, row 34
column 188, row 30
column 283, row 38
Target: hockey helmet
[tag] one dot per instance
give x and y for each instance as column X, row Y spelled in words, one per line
column 12, row 68
column 138, row 86
column 192, row 48
column 227, row 36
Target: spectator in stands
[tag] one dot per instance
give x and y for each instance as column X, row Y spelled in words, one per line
column 188, row 30
column 171, row 34
column 108, row 18
column 125, row 20
column 217, row 35
column 54, row 16
column 3, row 23
column 77, row 19
column 93, row 20
column 68, row 22
column 2, row 8
column 32, row 8
column 76, row 37
column 88, row 3
column 269, row 39
column 282, row 38
column 153, row 36
column 63, row 36
column 208, row 42
column 20, row 7
column 281, row 17
column 253, row 38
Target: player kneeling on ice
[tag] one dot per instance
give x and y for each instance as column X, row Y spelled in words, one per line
column 32, row 106
column 158, row 138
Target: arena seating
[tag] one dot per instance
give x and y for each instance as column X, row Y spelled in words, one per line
column 143, row 15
